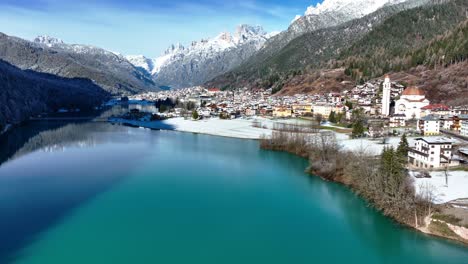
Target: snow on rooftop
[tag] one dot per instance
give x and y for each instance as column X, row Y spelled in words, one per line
column 437, row 140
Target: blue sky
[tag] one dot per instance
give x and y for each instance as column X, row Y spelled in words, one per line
column 141, row 26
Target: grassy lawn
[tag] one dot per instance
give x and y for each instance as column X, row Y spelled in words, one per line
column 442, row 229
column 336, row 129
column 451, row 219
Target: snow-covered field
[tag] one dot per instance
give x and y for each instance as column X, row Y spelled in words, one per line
column 370, row 146
column 457, row 187
column 236, row 128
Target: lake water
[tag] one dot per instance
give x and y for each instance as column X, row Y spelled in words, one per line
column 97, row 193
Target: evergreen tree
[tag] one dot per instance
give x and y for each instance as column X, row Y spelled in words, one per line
column 163, row 108
column 393, row 172
column 332, row 117
column 403, row 147
column 195, row 115
column 358, row 128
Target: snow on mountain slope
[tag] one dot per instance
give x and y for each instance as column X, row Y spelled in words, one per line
column 332, row 13
column 48, row 40
column 141, row 61
column 51, row 55
column 182, row 66
column 348, row 9
column 354, row 8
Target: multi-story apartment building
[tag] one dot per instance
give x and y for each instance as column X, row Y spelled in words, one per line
column 429, row 125
column 432, row 153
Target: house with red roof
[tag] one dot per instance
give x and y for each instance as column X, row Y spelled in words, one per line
column 435, row 109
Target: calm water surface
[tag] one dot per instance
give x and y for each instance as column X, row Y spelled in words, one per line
column 96, row 193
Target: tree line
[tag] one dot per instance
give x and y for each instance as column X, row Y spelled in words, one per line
column 382, row 180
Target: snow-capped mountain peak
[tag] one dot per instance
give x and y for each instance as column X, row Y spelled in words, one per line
column 330, row 13
column 201, row 60
column 354, row 8
column 174, row 48
column 247, row 32
column 205, row 47
column 141, row 61
column 48, row 40
column 295, row 18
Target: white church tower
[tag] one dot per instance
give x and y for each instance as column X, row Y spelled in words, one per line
column 386, row 96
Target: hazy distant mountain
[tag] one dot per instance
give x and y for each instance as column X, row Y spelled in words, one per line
column 182, row 66
column 50, row 55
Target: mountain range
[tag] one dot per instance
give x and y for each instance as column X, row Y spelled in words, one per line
column 181, row 66
column 50, row 55
column 314, row 38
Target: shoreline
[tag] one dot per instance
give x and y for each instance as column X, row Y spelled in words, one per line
column 422, row 229
column 232, row 131
column 243, row 129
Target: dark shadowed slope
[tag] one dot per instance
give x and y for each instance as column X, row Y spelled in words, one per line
column 27, row 93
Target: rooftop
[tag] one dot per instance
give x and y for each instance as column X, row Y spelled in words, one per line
column 436, row 107
column 437, row 140
column 413, row 90
column 431, row 118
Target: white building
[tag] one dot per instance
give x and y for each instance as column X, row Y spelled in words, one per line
column 325, row 109
column 387, row 86
column 431, row 153
column 446, row 122
column 410, row 103
column 464, row 127
column 429, row 125
column 397, row 120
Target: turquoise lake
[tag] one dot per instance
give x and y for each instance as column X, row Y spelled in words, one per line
column 97, row 193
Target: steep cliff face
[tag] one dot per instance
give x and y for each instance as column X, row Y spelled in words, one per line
column 27, row 93
column 49, row 55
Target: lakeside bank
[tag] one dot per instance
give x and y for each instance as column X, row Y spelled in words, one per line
column 382, row 181
column 227, row 190
column 243, row 128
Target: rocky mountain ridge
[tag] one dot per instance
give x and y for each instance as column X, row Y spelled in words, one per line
column 49, row 55
column 184, row 66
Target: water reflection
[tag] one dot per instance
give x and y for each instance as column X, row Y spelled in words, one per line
column 184, row 191
column 30, row 204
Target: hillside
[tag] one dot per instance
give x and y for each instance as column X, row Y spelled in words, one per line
column 431, row 35
column 309, row 50
column 49, row 55
column 439, row 67
column 26, row 93
column 447, row 85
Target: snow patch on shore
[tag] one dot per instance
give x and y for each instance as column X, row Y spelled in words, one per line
column 236, row 128
column 457, row 187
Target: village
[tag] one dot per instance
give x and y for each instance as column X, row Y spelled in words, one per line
column 437, row 133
